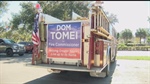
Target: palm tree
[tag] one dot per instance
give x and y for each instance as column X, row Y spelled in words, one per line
column 141, row 33
column 148, row 19
column 126, row 35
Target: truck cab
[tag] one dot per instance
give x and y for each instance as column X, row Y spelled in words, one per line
column 10, row 47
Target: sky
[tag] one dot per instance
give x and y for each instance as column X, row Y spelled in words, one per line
column 131, row 14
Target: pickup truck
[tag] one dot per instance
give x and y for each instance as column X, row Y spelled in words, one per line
column 10, row 47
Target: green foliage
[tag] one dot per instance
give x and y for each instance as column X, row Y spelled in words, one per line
column 134, row 57
column 112, row 18
column 148, row 19
column 132, row 46
column 122, row 46
column 25, row 17
column 3, row 7
column 126, row 35
column 147, row 31
column 118, row 35
column 141, row 33
column 59, row 9
column 17, row 35
column 148, row 39
column 63, row 9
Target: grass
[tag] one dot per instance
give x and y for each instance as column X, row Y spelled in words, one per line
column 134, row 57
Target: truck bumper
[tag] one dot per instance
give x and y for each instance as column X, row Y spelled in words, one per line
column 67, row 67
column 18, row 51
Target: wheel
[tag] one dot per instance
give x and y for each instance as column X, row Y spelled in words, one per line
column 9, row 52
column 99, row 75
column 26, row 51
column 113, row 60
column 21, row 54
column 107, row 69
column 63, row 72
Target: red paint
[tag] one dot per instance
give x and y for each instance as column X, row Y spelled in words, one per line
column 92, row 48
column 91, row 43
column 92, row 22
column 37, row 6
column 82, row 46
column 97, row 47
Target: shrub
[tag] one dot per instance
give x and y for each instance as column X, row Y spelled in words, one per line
column 130, row 48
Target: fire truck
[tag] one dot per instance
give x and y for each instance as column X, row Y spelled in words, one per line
column 85, row 45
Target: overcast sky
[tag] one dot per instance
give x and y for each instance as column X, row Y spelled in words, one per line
column 131, row 14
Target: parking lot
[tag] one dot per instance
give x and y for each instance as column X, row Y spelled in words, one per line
column 14, row 71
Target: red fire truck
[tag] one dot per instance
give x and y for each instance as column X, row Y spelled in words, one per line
column 83, row 45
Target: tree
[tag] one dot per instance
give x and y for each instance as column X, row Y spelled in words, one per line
column 126, row 35
column 63, row 9
column 25, row 17
column 148, row 39
column 118, row 35
column 59, row 9
column 112, row 18
column 147, row 31
column 3, row 7
column 141, row 33
column 148, row 19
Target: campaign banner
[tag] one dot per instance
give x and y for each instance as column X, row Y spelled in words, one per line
column 64, row 40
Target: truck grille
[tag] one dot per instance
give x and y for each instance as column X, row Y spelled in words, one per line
column 21, row 48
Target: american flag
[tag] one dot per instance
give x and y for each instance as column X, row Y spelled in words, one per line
column 35, row 33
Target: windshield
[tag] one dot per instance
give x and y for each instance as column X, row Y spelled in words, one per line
column 24, row 43
column 8, row 41
column 30, row 43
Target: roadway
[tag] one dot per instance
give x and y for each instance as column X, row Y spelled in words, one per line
column 14, row 71
column 133, row 53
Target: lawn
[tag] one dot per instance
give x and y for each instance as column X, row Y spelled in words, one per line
column 134, row 57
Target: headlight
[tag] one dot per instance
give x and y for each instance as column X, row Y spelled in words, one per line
column 15, row 47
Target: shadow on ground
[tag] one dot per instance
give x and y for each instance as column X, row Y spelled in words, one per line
column 73, row 78
column 16, row 58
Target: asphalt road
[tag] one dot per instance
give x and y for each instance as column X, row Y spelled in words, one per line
column 133, row 53
column 14, row 71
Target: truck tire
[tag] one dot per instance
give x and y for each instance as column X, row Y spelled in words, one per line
column 107, row 70
column 98, row 75
column 103, row 74
column 21, row 54
column 113, row 60
column 63, row 72
column 9, row 52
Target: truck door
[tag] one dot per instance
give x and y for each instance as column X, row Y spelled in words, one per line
column 2, row 46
